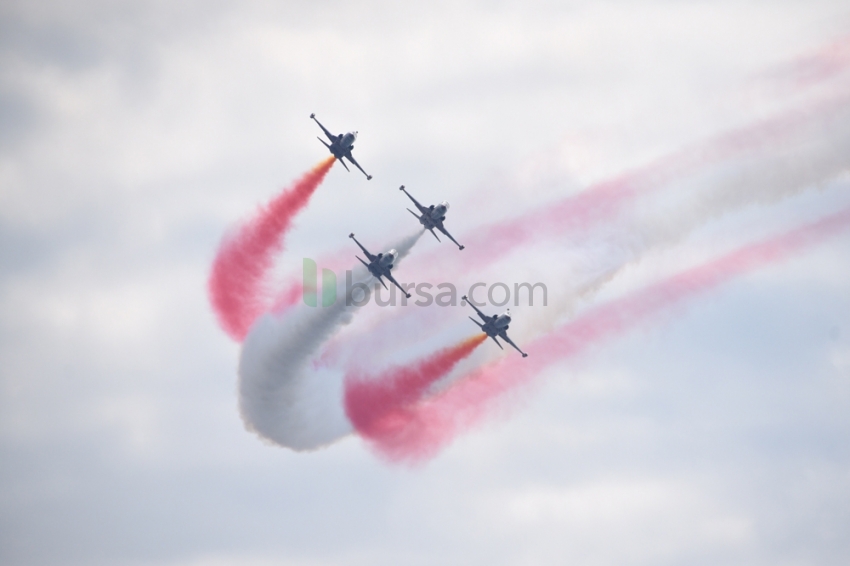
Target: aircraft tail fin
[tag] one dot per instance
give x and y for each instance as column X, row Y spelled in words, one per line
column 363, row 262
column 476, row 322
column 435, row 235
column 497, row 342
column 343, row 162
column 323, row 143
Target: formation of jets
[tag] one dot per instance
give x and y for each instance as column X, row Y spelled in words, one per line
column 431, row 218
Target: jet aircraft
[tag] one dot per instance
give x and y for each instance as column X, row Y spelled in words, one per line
column 496, row 325
column 341, row 146
column 380, row 265
column 432, row 217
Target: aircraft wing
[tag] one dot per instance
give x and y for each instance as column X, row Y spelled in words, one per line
column 442, row 229
column 382, row 283
column 483, row 316
column 421, row 208
column 354, row 161
column 331, row 137
column 365, row 251
column 389, row 276
column 504, row 336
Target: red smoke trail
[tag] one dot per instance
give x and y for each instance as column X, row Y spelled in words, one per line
column 422, row 429
column 244, row 258
column 377, row 406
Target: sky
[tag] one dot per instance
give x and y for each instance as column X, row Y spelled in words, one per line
column 134, row 136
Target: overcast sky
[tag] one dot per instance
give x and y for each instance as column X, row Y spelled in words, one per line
column 133, row 135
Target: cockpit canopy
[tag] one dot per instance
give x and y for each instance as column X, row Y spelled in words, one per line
column 503, row 320
column 388, row 258
column 445, row 204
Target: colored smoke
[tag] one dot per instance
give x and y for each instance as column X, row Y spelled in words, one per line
column 376, row 406
column 283, row 397
column 421, row 430
column 616, row 222
column 297, row 387
column 238, row 278
column 760, row 163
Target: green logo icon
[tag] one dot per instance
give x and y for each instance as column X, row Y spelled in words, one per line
column 310, row 287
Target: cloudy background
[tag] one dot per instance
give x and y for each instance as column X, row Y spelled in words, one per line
column 132, row 135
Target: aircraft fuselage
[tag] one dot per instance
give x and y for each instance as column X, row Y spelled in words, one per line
column 340, row 146
column 343, row 144
column 434, row 215
column 380, row 265
column 497, row 325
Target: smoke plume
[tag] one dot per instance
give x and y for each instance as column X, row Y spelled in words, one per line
column 284, row 397
column 377, row 405
column 427, row 426
column 238, row 277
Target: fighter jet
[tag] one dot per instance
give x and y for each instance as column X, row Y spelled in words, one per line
column 432, row 217
column 341, row 146
column 380, row 265
column 496, row 325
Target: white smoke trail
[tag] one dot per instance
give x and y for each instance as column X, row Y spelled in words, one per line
column 284, row 398
column 810, row 157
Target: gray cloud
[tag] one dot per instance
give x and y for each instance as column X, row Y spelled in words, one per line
column 135, row 133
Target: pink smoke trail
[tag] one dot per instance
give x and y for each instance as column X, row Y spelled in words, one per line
column 374, row 405
column 604, row 201
column 419, row 431
column 244, row 258
column 826, row 63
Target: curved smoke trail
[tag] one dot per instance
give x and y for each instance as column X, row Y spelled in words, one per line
column 376, row 405
column 294, row 389
column 426, row 427
column 284, row 398
column 290, row 395
column 236, row 283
